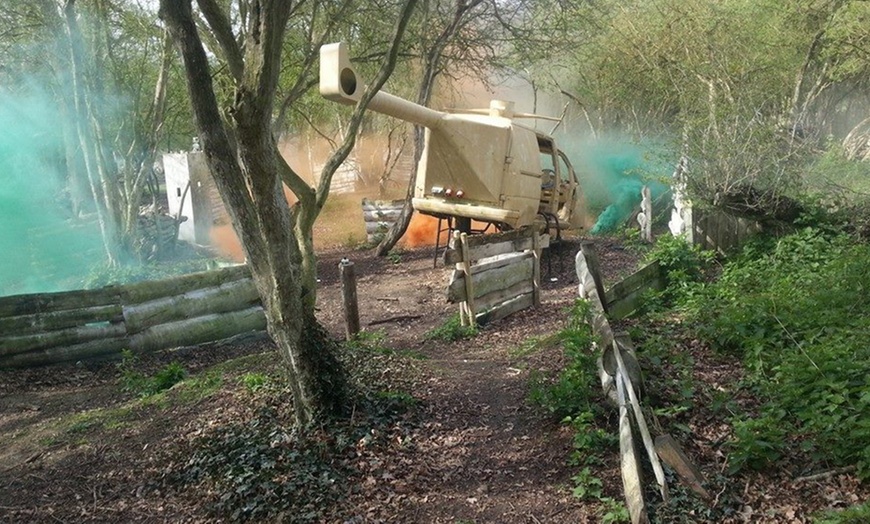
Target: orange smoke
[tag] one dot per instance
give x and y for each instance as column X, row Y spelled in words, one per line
column 421, row 232
column 422, row 229
column 224, row 239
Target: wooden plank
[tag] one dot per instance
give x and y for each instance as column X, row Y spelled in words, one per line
column 672, row 454
column 507, row 308
column 625, row 297
column 229, row 296
column 382, row 215
column 64, row 337
column 489, row 245
column 523, row 233
column 487, row 278
column 42, row 322
column 640, row 279
column 491, row 300
column 632, row 484
column 452, row 256
column 88, row 350
column 600, row 327
column 375, row 227
column 377, row 205
column 593, row 266
column 18, row 305
column 154, row 289
column 206, row 328
column 623, row 375
column 468, row 279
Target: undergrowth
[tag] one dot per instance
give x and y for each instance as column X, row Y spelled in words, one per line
column 134, row 381
column 796, row 310
column 573, row 398
column 261, row 467
column 451, row 330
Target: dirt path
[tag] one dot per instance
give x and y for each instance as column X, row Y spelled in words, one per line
column 480, row 453
column 483, row 453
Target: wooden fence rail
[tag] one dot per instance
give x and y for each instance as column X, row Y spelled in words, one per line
column 50, row 328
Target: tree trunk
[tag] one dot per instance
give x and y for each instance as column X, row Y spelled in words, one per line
column 400, row 226
column 249, row 182
column 108, row 228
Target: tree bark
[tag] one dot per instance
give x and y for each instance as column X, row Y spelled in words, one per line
column 250, row 185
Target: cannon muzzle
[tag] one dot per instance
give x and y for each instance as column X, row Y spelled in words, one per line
column 340, row 83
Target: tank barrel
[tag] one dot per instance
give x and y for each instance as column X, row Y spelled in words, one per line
column 340, row 83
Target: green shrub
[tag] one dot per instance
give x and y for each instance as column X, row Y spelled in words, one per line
column 797, row 310
column 575, row 389
column 451, row 330
column 134, row 381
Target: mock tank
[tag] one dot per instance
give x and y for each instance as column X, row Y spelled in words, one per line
column 476, row 164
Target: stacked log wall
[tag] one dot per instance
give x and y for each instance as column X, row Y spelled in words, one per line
column 51, row 328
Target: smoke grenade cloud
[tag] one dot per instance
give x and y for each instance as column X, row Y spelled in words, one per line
column 43, row 248
column 612, row 172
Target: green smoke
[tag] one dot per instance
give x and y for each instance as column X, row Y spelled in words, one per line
column 43, row 247
column 612, row 173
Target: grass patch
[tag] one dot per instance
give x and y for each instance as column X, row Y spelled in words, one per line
column 451, row 330
column 134, row 381
column 859, row 514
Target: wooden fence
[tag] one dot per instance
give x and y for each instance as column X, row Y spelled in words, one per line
column 496, row 275
column 624, row 297
column 719, row 231
column 622, row 383
column 50, row 328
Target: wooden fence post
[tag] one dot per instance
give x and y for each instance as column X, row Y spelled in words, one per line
column 646, row 210
column 536, row 274
column 470, row 310
column 348, row 296
column 591, row 256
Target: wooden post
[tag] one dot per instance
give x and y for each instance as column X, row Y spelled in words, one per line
column 536, row 289
column 646, row 209
column 630, row 465
column 591, row 256
column 470, row 310
column 641, row 422
column 348, row 296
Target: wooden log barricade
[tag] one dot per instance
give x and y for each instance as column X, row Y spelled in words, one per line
column 621, row 381
column 379, row 216
column 51, row 328
column 495, row 275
